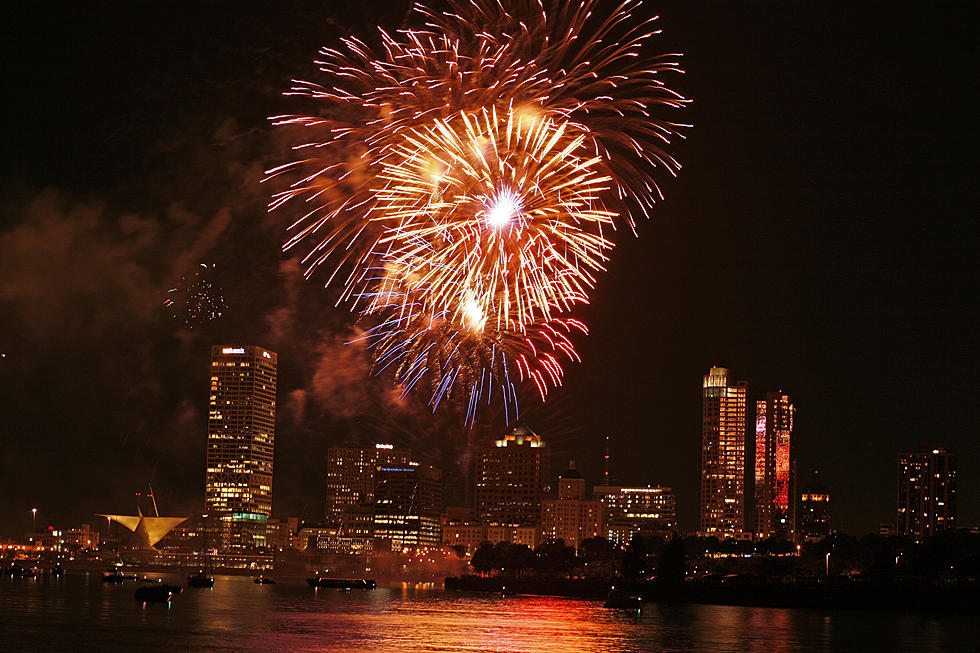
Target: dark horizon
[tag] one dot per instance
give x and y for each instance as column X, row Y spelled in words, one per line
column 817, row 241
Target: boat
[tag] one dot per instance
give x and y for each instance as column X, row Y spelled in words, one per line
column 200, row 579
column 157, row 591
column 342, row 583
column 262, row 580
column 113, row 575
column 622, row 600
column 58, row 570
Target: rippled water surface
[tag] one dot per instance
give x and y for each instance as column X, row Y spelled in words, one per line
column 81, row 613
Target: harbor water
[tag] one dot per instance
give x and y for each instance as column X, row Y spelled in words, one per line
column 79, row 612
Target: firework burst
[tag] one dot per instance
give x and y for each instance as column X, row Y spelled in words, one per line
column 493, row 216
column 462, row 182
column 196, row 299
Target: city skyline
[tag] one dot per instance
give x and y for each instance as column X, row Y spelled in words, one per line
column 349, row 472
column 809, row 244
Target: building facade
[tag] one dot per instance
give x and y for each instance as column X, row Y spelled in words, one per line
column 722, row 455
column 408, row 505
column 775, row 493
column 926, row 493
column 241, row 437
column 814, row 521
column 570, row 516
column 648, row 511
column 351, row 476
column 512, row 478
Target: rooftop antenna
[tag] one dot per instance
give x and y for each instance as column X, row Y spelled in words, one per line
column 605, row 464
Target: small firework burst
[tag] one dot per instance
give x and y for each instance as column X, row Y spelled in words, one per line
column 196, row 300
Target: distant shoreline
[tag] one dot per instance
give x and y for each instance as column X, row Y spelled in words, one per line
column 843, row 595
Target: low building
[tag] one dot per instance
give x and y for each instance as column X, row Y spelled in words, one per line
column 628, row 510
column 459, row 528
column 526, row 535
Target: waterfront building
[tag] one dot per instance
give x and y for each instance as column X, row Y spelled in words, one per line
column 647, row 511
column 351, row 477
column 926, row 493
column 512, row 479
column 529, row 535
column 722, row 455
column 815, row 516
column 279, row 535
column 241, row 437
column 570, row 516
column 467, row 533
column 775, row 493
column 408, row 505
column 313, row 536
column 82, row 538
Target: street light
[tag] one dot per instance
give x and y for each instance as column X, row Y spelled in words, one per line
column 828, row 563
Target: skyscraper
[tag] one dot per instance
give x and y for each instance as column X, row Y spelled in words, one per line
column 511, row 479
column 926, row 493
column 814, row 520
column 722, row 455
column 351, row 475
column 241, row 435
column 774, row 483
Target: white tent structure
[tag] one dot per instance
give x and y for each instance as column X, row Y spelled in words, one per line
column 147, row 531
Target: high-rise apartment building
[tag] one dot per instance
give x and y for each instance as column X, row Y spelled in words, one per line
column 511, row 479
column 775, row 494
column 723, row 455
column 570, row 516
column 351, row 476
column 627, row 511
column 241, row 435
column 926, row 493
column 408, row 505
column 814, row 518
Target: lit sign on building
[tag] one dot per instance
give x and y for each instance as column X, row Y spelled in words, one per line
column 265, row 353
column 384, row 446
column 234, row 350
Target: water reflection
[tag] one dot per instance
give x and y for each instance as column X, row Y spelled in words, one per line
column 238, row 615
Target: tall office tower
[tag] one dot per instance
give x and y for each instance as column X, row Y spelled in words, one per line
column 351, row 477
column 814, row 519
column 408, row 505
column 926, row 493
column 512, row 479
column 723, row 455
column 649, row 511
column 775, row 500
column 571, row 517
column 241, row 435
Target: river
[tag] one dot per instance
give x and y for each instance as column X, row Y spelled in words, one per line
column 81, row 613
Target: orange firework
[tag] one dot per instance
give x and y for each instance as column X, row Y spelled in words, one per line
column 491, row 215
column 463, row 183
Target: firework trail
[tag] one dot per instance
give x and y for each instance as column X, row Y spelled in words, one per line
column 462, row 183
column 196, row 300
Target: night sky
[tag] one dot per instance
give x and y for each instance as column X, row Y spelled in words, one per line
column 820, row 240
